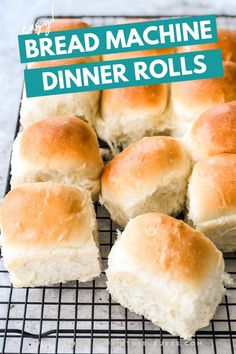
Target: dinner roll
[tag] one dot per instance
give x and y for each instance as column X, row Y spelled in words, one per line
column 130, row 113
column 191, row 98
column 214, row 132
column 58, row 149
column 61, row 24
column 82, row 104
column 49, row 235
column 159, row 51
column 162, row 269
column 212, row 200
column 149, row 175
column 226, row 42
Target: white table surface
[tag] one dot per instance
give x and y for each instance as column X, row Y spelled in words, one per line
column 15, row 14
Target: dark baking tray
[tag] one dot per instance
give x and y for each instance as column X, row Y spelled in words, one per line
column 82, row 318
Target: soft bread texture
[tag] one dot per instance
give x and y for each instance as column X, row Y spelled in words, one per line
column 82, row 104
column 226, row 42
column 130, row 113
column 191, row 98
column 49, row 235
column 212, row 200
column 58, row 62
column 58, row 149
column 164, row 270
column 149, row 175
column 214, row 132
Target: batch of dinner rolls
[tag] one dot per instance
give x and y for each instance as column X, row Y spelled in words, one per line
column 173, row 153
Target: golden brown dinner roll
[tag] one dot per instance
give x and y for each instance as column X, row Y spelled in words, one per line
column 149, row 175
column 162, row 269
column 82, row 104
column 191, row 98
column 58, row 149
column 130, row 113
column 214, row 132
column 212, row 200
column 49, row 235
column 226, row 42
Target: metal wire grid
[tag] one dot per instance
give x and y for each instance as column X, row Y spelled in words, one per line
column 82, row 318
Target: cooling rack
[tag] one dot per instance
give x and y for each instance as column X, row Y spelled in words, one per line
column 82, row 318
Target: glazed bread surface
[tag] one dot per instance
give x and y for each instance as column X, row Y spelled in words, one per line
column 82, row 104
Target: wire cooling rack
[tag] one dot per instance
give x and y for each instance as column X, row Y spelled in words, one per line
column 82, row 318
